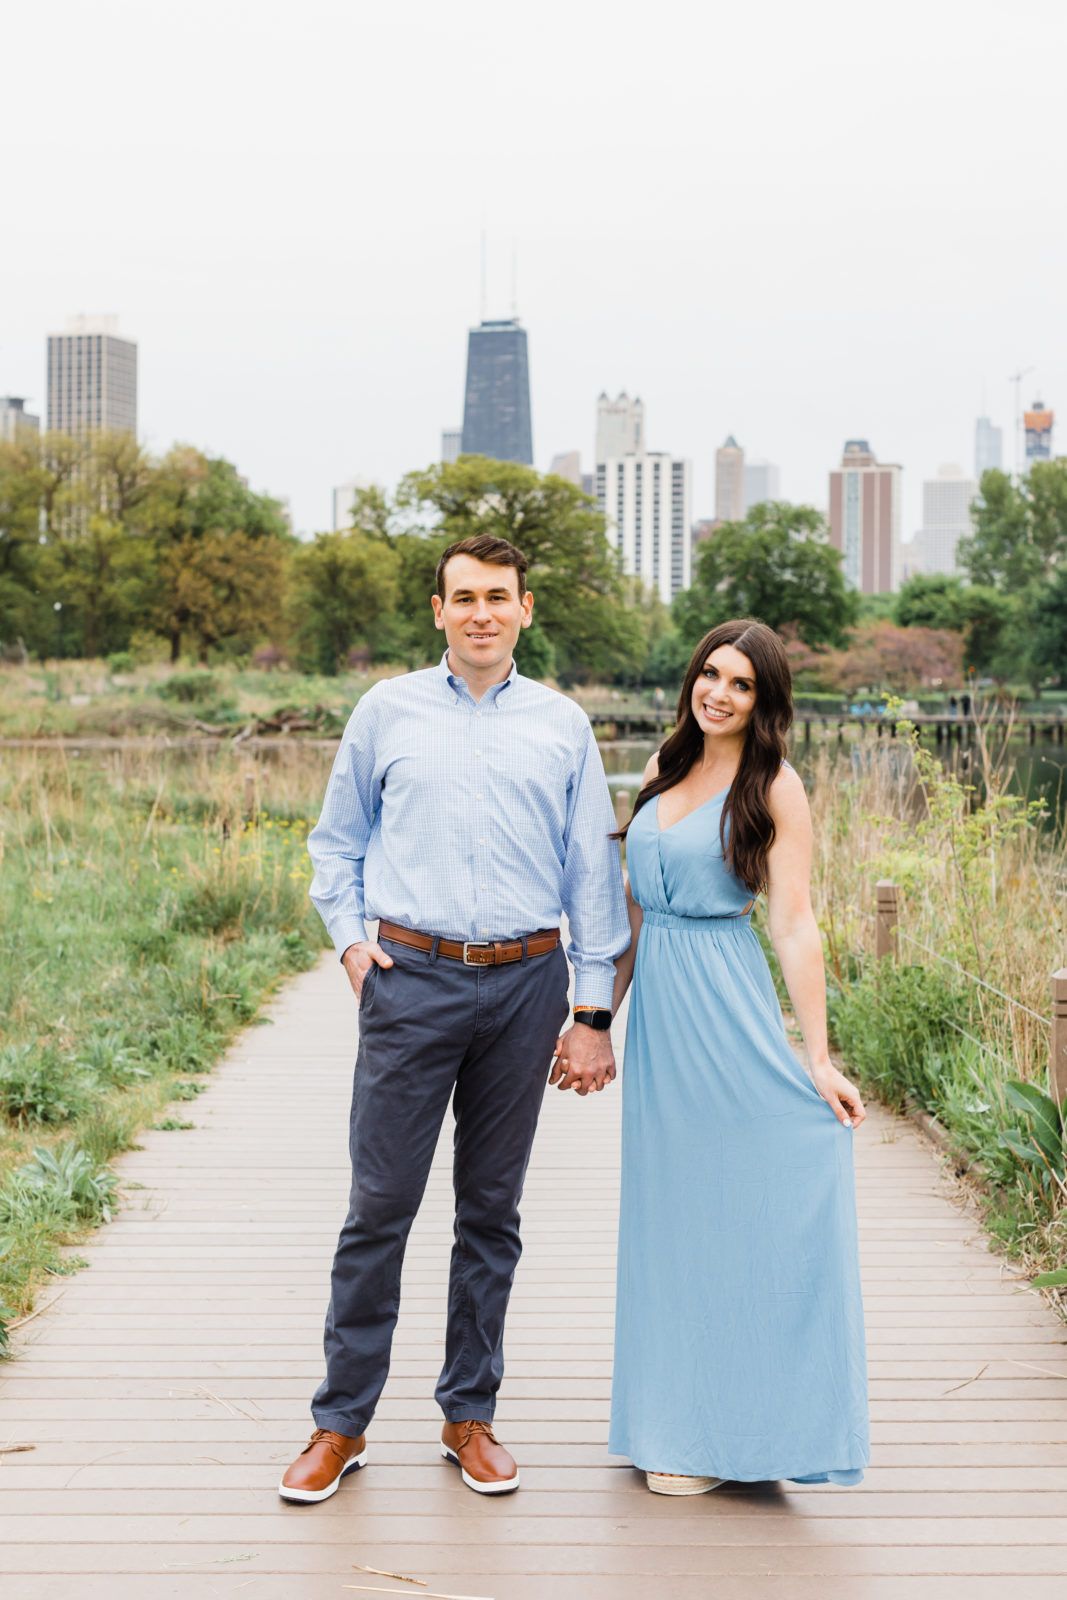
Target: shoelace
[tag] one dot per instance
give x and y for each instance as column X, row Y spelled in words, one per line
column 324, row 1436
column 476, row 1426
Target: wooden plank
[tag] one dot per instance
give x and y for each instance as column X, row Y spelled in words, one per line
column 169, row 1384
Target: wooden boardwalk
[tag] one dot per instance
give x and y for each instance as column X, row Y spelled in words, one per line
column 168, row 1385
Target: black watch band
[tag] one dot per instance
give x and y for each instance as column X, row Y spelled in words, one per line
column 600, row 1020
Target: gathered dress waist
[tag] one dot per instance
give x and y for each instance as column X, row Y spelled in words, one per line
column 678, row 924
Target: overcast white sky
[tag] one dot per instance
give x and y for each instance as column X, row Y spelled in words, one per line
column 793, row 222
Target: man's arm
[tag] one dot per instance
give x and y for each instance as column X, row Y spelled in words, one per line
column 338, row 845
column 595, row 903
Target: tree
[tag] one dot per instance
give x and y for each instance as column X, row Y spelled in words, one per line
column 774, row 566
column 345, row 587
column 1020, row 530
column 882, row 657
column 218, row 554
column 990, row 622
column 1049, row 643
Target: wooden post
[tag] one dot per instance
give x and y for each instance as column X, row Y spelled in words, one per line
column 886, row 911
column 622, row 807
column 250, row 796
column 1057, row 1070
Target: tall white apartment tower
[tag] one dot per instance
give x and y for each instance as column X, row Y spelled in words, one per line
column 646, row 499
column 947, row 501
column 620, row 427
column 92, row 378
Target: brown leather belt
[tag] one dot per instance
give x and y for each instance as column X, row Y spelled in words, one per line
column 474, row 953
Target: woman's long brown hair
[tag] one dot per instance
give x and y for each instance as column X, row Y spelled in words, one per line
column 746, row 828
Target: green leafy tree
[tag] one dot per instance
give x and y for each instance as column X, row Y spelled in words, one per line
column 775, row 566
column 1020, row 529
column 992, row 623
column 217, row 554
column 346, row 588
column 1049, row 639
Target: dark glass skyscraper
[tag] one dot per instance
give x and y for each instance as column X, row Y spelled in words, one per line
column 496, row 410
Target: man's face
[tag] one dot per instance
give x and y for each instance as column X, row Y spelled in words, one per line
column 481, row 614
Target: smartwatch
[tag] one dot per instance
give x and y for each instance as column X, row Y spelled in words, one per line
column 600, row 1020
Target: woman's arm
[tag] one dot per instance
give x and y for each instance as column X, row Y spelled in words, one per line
column 797, row 942
column 624, row 965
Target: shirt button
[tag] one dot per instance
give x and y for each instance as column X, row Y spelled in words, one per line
column 477, row 797
column 485, row 886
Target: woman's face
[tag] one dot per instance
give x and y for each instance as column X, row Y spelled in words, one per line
column 724, row 695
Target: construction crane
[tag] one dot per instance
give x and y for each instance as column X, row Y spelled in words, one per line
column 1017, row 379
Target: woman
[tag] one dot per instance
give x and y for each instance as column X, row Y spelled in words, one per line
column 739, row 1349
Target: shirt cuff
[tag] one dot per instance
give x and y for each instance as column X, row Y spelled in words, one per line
column 346, row 931
column 594, row 984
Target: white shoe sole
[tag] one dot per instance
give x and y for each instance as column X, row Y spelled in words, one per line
column 667, row 1483
column 505, row 1485
column 308, row 1497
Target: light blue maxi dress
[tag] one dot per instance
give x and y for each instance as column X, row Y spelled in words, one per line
column 739, row 1344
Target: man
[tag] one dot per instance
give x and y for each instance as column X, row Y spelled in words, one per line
column 467, row 808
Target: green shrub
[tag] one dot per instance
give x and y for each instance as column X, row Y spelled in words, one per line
column 190, row 688
column 62, row 1184
column 897, row 1027
column 120, row 661
column 38, row 1087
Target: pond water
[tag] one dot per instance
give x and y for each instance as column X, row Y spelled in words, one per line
column 1038, row 771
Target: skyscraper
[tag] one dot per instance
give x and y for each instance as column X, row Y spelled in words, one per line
column 620, row 427
column 92, row 378
column 15, row 421
column 947, row 501
column 729, row 482
column 988, row 447
column 568, row 464
column 761, row 484
column 1038, row 424
column 865, row 519
column 496, row 411
column 451, row 444
column 646, row 500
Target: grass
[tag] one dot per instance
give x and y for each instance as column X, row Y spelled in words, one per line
column 143, row 920
column 89, row 699
column 983, row 884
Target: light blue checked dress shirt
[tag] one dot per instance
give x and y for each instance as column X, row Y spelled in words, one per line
column 473, row 820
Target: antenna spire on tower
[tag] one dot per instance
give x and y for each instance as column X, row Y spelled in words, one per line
column 482, row 310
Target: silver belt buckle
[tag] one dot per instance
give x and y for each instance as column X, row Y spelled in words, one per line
column 475, row 944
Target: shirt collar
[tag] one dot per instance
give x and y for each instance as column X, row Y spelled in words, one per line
column 459, row 685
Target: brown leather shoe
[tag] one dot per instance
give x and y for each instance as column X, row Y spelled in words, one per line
column 317, row 1471
column 486, row 1466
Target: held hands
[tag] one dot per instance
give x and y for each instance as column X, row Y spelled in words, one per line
column 842, row 1097
column 358, row 960
column 583, row 1059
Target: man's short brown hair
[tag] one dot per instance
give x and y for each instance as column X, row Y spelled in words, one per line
column 485, row 547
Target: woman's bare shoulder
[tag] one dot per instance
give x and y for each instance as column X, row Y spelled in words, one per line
column 787, row 795
column 651, row 768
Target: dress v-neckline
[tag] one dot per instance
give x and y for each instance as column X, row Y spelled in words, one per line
column 685, row 817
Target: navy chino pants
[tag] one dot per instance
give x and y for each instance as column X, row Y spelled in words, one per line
column 431, row 1030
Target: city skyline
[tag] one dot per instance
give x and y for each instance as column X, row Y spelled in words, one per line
column 498, row 399
column 299, row 283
